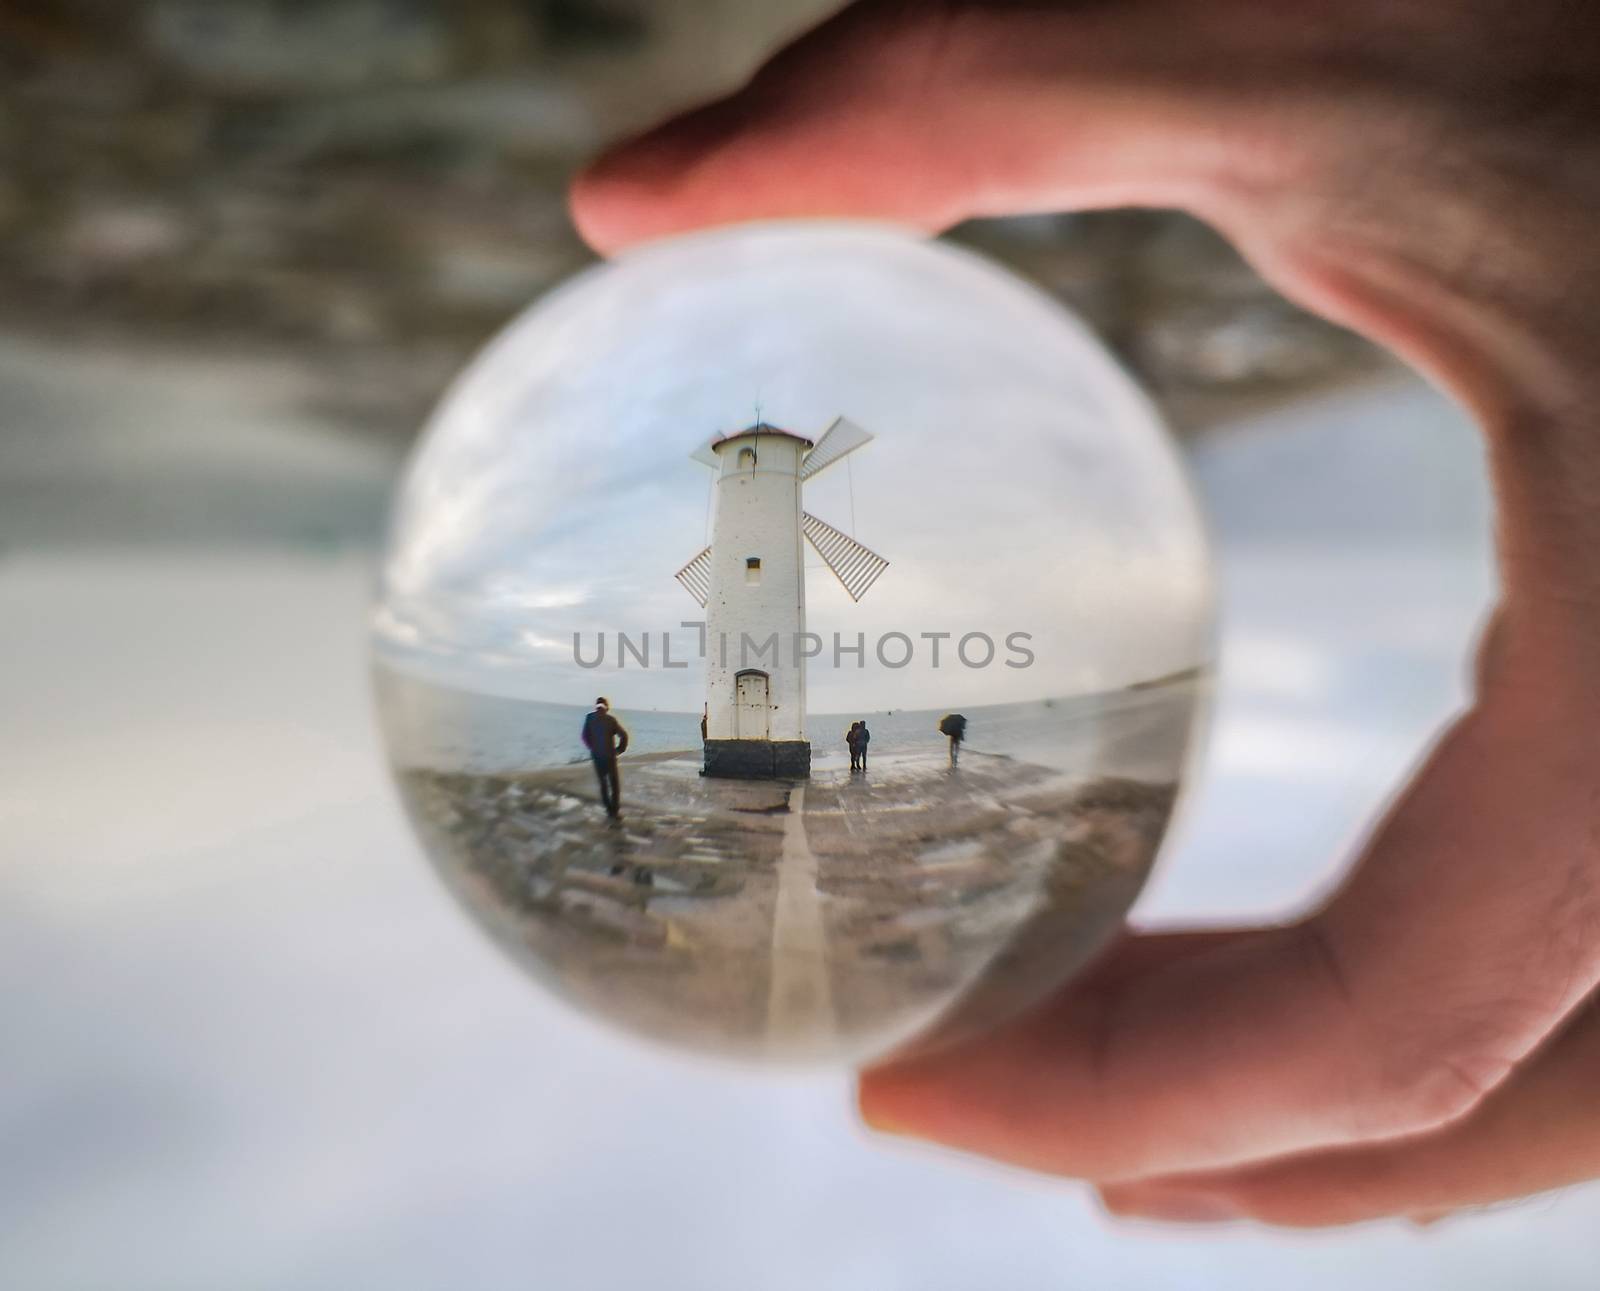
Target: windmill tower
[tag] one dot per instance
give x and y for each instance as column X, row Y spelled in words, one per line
column 751, row 583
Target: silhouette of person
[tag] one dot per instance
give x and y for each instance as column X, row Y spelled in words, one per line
column 705, row 717
column 852, row 739
column 863, row 738
column 605, row 738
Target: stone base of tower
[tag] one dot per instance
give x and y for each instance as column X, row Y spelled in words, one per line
column 758, row 759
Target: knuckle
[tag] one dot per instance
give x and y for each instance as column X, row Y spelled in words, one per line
column 905, row 40
column 1434, row 1069
column 1437, row 1088
column 1415, row 1068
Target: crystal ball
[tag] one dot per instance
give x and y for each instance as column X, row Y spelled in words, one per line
column 790, row 641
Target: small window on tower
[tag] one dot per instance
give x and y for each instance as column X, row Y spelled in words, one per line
column 747, row 458
column 752, row 569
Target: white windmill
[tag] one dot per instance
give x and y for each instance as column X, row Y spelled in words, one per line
column 751, row 583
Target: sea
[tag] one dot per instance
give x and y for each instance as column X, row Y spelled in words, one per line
column 1142, row 732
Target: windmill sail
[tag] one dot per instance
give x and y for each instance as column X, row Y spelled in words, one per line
column 696, row 577
column 855, row 566
column 842, row 437
column 706, row 454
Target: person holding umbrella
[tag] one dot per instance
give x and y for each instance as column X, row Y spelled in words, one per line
column 955, row 726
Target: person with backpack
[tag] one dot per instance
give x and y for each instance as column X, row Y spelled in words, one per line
column 605, row 738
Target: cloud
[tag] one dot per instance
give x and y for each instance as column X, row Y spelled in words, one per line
column 1017, row 481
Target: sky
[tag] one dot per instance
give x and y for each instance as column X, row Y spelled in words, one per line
column 1017, row 481
column 253, row 1044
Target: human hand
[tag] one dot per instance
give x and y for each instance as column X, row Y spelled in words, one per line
column 1426, row 172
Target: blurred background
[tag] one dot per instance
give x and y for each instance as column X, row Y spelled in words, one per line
column 248, row 1041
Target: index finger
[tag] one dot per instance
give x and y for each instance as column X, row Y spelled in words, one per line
column 922, row 115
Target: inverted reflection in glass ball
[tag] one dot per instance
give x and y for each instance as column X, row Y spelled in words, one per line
column 900, row 607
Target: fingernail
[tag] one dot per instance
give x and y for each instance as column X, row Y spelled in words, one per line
column 1168, row 1206
column 880, row 1115
column 881, row 1122
column 885, row 1125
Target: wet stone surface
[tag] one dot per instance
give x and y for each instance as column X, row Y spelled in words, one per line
column 841, row 915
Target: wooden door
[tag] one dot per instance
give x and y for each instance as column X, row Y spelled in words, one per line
column 752, row 707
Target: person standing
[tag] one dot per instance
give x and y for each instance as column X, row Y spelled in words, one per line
column 852, row 739
column 605, row 738
column 863, row 738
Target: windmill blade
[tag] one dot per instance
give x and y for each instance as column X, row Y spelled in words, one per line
column 842, row 437
column 855, row 566
column 696, row 577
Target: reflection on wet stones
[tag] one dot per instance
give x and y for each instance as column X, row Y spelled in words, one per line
column 921, row 901
column 564, row 889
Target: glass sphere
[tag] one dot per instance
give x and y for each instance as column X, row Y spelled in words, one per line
column 900, row 605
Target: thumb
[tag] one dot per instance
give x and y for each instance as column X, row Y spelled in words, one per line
column 922, row 114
